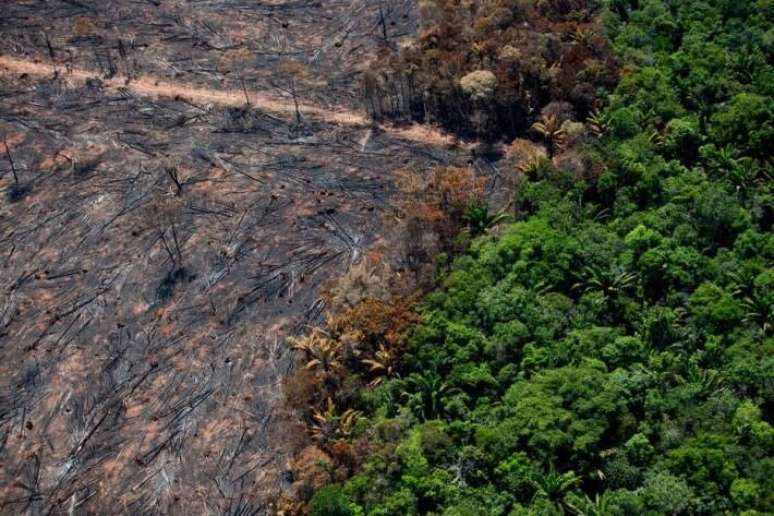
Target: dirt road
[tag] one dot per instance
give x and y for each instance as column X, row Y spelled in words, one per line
column 158, row 88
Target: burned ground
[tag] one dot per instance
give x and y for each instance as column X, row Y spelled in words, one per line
column 155, row 252
column 212, row 42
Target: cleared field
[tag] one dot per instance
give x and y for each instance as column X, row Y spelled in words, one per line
column 157, row 245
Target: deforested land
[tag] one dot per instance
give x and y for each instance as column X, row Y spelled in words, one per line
column 370, row 257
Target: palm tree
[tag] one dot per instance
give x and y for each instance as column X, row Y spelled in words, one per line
column 424, row 393
column 709, row 381
column 554, row 486
column 610, row 282
column 756, row 303
column 758, row 311
column 480, row 220
column 598, row 123
column 746, row 173
column 584, row 36
column 321, row 350
column 549, row 127
column 328, row 425
column 537, row 167
column 384, row 364
column 599, row 506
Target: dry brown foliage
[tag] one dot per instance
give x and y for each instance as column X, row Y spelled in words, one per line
column 310, row 469
column 487, row 68
column 434, row 207
column 300, row 389
column 370, row 306
column 84, row 26
column 364, row 280
column 521, row 150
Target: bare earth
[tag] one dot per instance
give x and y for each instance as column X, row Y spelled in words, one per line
column 134, row 380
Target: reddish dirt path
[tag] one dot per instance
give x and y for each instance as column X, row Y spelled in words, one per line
column 152, row 87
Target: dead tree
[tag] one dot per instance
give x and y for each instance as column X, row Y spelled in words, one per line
column 177, row 255
column 294, row 74
column 10, row 160
column 167, row 218
column 382, row 20
column 238, row 59
column 17, row 190
column 163, row 216
column 174, row 175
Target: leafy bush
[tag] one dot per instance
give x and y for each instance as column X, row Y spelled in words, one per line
column 330, row 501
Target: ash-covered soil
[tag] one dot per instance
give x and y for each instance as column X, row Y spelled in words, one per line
column 156, row 251
column 213, row 42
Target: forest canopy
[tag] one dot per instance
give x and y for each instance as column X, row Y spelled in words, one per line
column 610, row 352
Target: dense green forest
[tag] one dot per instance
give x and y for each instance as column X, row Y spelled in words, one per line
column 610, row 351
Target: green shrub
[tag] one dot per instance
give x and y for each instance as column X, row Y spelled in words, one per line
column 330, row 501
